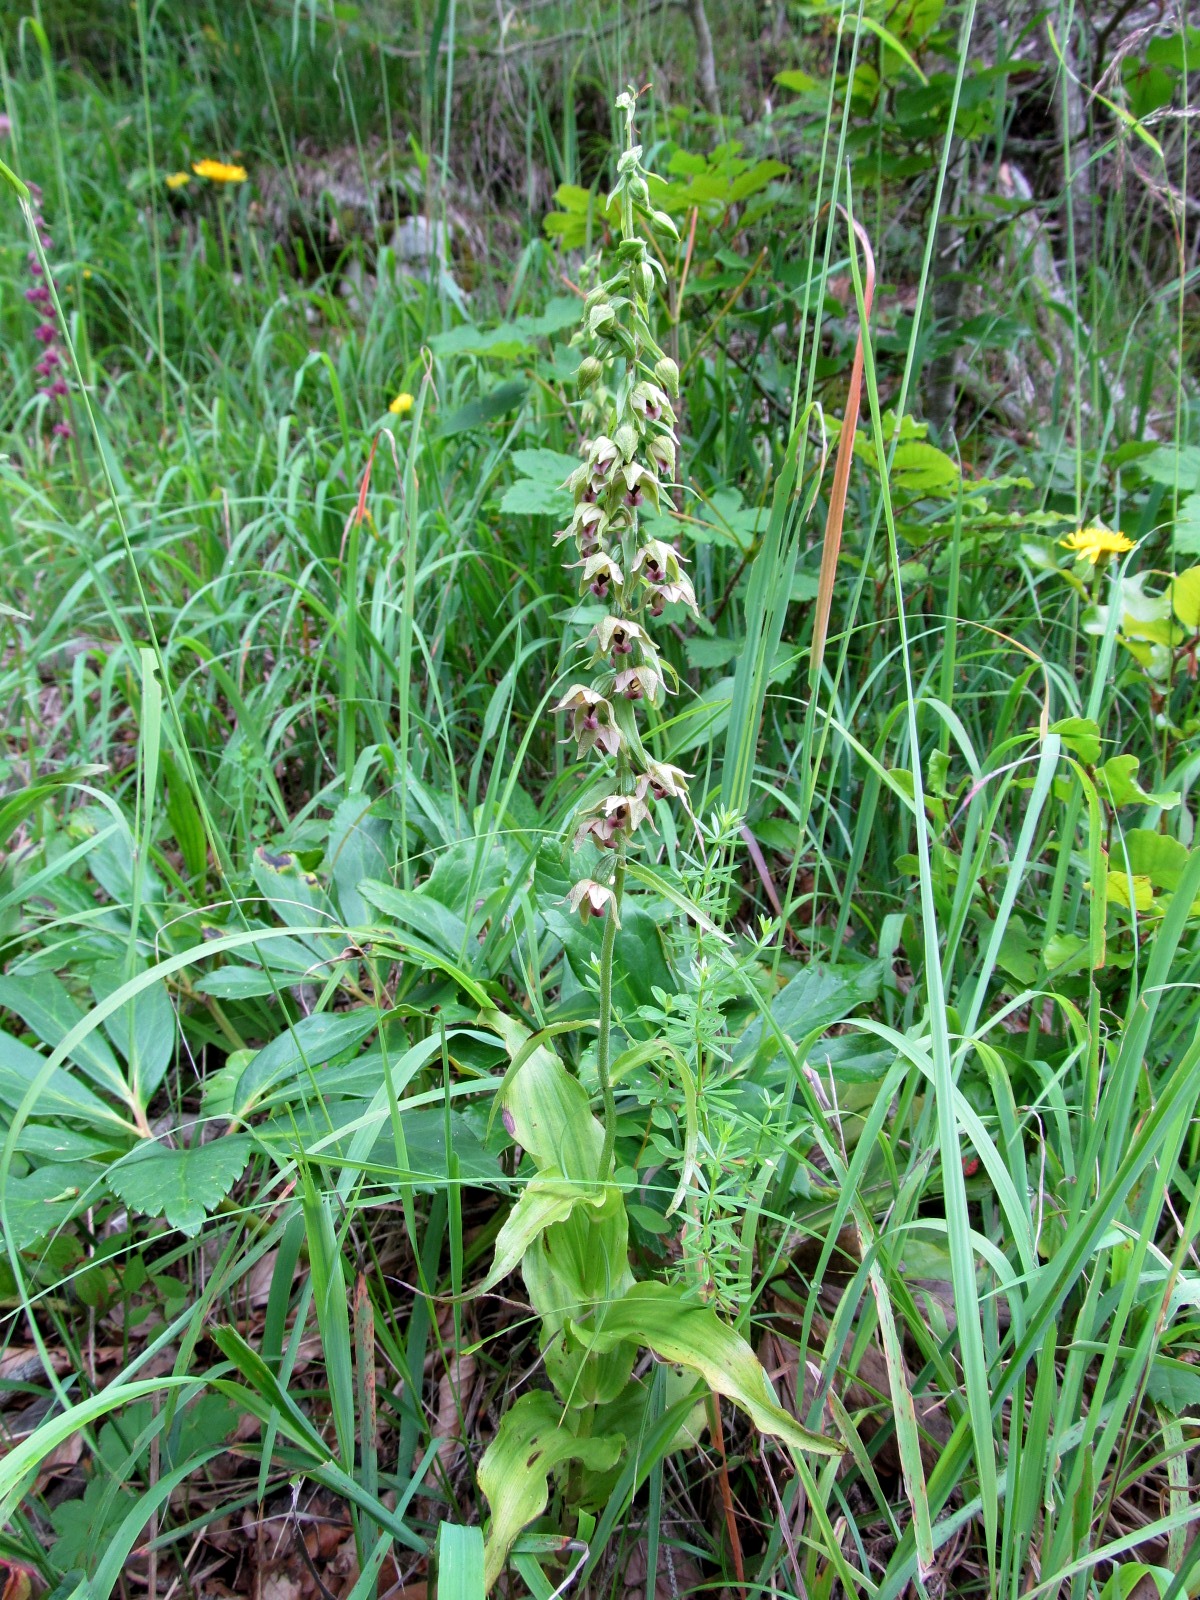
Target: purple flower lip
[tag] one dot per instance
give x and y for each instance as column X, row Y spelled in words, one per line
column 39, row 295
column 63, row 430
column 44, row 332
column 58, row 387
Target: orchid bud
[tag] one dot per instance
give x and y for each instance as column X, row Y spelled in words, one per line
column 667, row 374
column 590, row 371
column 626, row 440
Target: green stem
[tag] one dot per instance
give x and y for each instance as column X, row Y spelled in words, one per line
column 604, row 1043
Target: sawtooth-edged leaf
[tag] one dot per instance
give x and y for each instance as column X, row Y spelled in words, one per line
column 182, row 1185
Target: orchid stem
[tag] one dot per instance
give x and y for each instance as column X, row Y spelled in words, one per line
column 604, row 1043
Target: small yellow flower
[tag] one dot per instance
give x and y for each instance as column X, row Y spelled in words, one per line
column 177, row 180
column 401, row 405
column 219, row 171
column 1096, row 543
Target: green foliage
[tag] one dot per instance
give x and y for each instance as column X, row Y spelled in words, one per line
column 364, row 1130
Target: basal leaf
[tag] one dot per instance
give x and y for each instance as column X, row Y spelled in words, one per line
column 533, row 1438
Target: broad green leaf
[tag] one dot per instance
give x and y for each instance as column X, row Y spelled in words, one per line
column 310, row 1042
column 143, row 1029
column 692, row 1335
column 817, row 997
column 1187, row 526
column 60, row 1096
column 1169, row 466
column 549, row 467
column 530, row 498
column 1152, row 855
column 477, row 413
column 1118, row 891
column 423, row 914
column 1117, row 782
column 297, row 898
column 42, row 1002
column 547, row 1110
column 183, row 1185
column 1174, row 1385
column 799, row 82
column 1185, row 598
column 1135, row 1580
column 546, row 1199
column 533, row 1438
column 46, row 1200
column 357, row 849
column 1081, row 736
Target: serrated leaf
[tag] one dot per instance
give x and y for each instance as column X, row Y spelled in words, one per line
column 1169, row 466
column 182, row 1185
column 692, row 1335
column 533, row 1438
column 530, row 498
column 545, row 466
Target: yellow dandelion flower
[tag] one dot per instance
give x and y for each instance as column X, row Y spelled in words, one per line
column 219, row 171
column 178, row 180
column 401, row 405
column 1096, row 543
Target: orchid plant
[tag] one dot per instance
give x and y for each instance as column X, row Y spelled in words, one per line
column 569, row 1230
